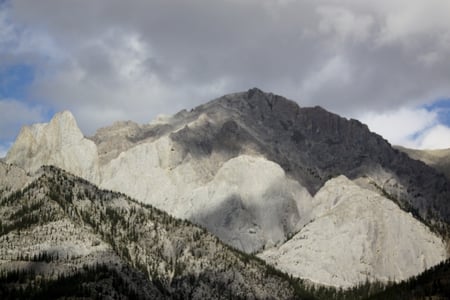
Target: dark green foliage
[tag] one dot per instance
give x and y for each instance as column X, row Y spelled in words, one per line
column 431, row 284
column 91, row 282
column 434, row 283
column 125, row 229
column 13, row 197
column 44, row 257
column 26, row 209
column 138, row 234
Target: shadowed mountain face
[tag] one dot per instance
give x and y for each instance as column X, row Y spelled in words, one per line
column 438, row 159
column 313, row 145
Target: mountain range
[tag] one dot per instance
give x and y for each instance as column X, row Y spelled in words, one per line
column 284, row 188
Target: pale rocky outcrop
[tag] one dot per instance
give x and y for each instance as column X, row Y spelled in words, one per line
column 12, row 178
column 60, row 143
column 249, row 203
column 357, row 235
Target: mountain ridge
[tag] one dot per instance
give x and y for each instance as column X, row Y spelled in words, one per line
column 350, row 140
column 172, row 258
column 208, row 165
column 438, row 159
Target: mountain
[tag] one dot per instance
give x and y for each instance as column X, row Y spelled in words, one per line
column 59, row 143
column 358, row 236
column 61, row 229
column 431, row 284
column 438, row 159
column 12, row 178
column 260, row 172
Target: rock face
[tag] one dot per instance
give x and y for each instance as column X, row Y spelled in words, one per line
column 58, row 143
column 251, row 167
column 310, row 144
column 251, row 204
column 12, row 178
column 438, row 159
column 358, row 228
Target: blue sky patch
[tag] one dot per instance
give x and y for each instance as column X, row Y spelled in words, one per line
column 442, row 107
column 15, row 81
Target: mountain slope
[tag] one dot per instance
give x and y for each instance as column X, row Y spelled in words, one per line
column 431, row 284
column 12, row 178
column 313, row 145
column 357, row 236
column 60, row 223
column 248, row 166
column 438, row 159
column 310, row 144
column 58, row 143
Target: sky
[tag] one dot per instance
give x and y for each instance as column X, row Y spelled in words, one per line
column 384, row 62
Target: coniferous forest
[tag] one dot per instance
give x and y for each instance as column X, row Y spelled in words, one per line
column 145, row 258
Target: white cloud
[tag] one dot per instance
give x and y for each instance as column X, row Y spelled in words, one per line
column 14, row 114
column 405, row 21
column 24, row 44
column 410, row 127
column 115, row 77
column 437, row 137
column 335, row 71
column 345, row 25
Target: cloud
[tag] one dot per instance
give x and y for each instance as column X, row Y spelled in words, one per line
column 14, row 115
column 418, row 128
column 437, row 137
column 111, row 59
column 23, row 44
column 401, row 21
column 344, row 24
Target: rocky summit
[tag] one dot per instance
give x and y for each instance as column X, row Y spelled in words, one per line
column 313, row 194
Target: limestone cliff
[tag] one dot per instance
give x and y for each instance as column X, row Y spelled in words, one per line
column 59, row 143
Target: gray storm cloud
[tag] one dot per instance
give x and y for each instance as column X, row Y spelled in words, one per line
column 108, row 59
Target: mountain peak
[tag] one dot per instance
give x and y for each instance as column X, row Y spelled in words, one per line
column 64, row 115
column 249, row 167
column 254, row 91
column 59, row 142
